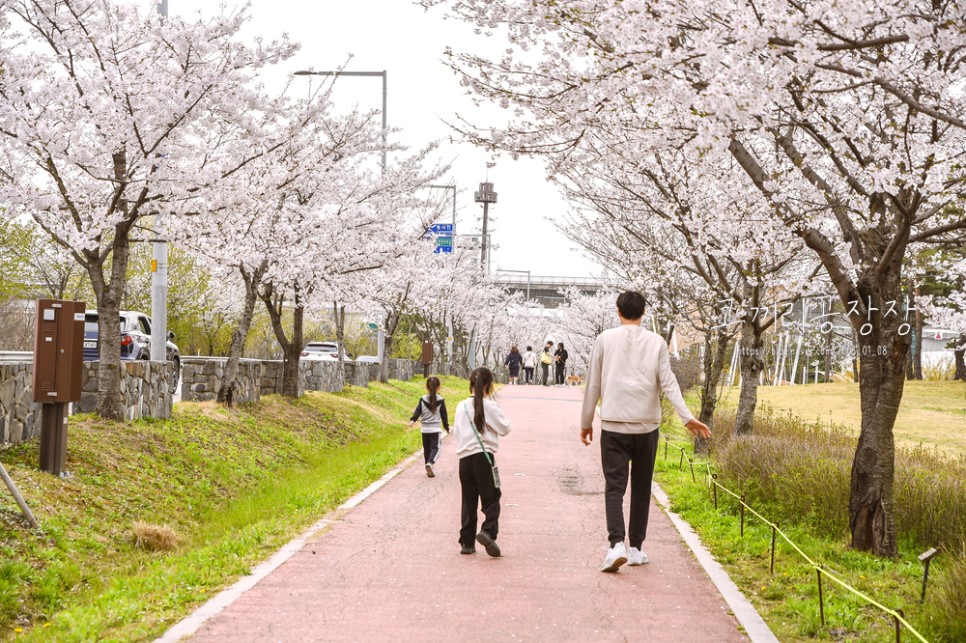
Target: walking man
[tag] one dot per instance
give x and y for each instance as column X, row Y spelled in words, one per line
column 629, row 367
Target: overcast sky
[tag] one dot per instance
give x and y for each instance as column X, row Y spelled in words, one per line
column 408, row 42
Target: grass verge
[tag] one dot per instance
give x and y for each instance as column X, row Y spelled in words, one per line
column 813, row 516
column 931, row 413
column 160, row 514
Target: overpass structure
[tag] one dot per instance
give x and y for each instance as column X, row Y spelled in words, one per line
column 544, row 289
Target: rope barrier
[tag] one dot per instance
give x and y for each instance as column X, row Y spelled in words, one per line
column 713, row 483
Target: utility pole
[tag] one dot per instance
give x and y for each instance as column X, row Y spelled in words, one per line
column 159, row 273
column 384, row 75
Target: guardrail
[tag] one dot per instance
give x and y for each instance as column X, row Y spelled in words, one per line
column 820, row 571
column 16, row 356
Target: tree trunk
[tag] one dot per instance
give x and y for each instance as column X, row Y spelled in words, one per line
column 290, row 355
column 109, row 294
column 752, row 353
column 392, row 323
column 291, row 349
column 715, row 354
column 110, row 402
column 959, row 355
column 855, row 356
column 339, row 319
column 226, row 394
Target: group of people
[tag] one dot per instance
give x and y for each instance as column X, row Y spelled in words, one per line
column 629, row 368
column 528, row 362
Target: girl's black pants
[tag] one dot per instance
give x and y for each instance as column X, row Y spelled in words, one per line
column 476, row 482
column 430, row 447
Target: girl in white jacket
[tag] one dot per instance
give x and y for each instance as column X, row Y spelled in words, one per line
column 478, row 424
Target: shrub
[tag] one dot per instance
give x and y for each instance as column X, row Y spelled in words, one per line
column 687, row 370
column 803, row 471
column 947, row 600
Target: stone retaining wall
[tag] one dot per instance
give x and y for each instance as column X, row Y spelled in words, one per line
column 201, row 379
column 144, row 385
column 19, row 417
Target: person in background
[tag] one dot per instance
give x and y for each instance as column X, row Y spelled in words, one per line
column 546, row 359
column 560, row 359
column 529, row 364
column 513, row 362
column 431, row 414
column 629, row 368
column 477, row 427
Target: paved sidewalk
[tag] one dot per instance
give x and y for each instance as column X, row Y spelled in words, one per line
column 390, row 569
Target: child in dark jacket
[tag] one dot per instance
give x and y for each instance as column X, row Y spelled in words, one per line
column 433, row 419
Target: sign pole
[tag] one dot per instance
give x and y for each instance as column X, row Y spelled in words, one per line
column 16, row 496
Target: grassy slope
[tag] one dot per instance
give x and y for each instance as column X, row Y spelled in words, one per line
column 933, row 413
column 235, row 486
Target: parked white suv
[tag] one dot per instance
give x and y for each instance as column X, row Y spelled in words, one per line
column 315, row 351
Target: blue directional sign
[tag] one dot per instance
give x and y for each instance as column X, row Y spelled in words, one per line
column 443, row 234
column 444, row 244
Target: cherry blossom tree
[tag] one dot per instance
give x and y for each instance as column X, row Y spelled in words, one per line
column 846, row 116
column 110, row 114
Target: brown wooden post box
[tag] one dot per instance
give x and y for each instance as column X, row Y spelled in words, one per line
column 58, row 366
column 427, row 357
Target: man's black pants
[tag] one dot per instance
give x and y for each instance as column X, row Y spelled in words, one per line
column 430, row 447
column 528, row 374
column 476, row 483
column 617, row 452
column 545, row 368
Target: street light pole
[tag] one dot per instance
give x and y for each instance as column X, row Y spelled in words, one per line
column 380, row 333
column 385, row 92
column 449, row 322
column 453, row 188
column 159, row 273
column 486, row 196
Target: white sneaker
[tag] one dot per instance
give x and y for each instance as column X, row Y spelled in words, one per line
column 616, row 556
column 635, row 557
column 429, row 470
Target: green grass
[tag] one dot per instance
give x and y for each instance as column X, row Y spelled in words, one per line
column 788, row 600
column 931, row 413
column 234, row 485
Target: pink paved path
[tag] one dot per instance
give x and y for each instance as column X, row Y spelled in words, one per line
column 390, row 569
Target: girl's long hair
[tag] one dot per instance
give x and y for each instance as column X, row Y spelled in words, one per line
column 432, row 385
column 481, row 385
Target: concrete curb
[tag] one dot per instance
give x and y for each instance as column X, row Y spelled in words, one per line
column 756, row 628
column 194, row 621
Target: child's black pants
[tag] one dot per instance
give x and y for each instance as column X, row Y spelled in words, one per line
column 476, row 482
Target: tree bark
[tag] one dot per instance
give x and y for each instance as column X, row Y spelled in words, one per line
column 291, row 348
column 715, row 354
column 959, row 356
column 392, row 323
column 226, row 394
column 109, row 293
column 752, row 353
column 338, row 313
column 883, row 354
